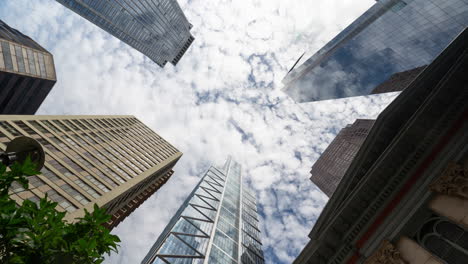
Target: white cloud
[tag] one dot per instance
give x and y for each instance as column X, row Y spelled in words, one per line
column 207, row 106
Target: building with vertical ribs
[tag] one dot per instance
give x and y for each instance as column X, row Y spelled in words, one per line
column 27, row 72
column 158, row 29
column 217, row 223
column 114, row 161
column 329, row 169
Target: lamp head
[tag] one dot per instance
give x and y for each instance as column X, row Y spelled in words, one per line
column 21, row 147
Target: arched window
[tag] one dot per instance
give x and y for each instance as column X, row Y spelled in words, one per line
column 445, row 240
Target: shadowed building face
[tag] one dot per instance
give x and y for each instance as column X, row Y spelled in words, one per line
column 27, row 72
column 392, row 36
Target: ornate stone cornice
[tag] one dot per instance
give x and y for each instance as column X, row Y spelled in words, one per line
column 386, row 254
column 453, row 181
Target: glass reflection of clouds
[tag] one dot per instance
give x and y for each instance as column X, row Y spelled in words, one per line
column 218, row 223
column 391, row 37
column 158, row 29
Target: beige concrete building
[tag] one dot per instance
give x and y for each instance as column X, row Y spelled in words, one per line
column 114, row 161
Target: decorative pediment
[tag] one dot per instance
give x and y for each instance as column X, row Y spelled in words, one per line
column 453, row 181
column 386, row 254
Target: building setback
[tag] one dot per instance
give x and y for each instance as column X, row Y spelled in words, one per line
column 398, row 81
column 114, row 161
column 392, row 36
column 329, row 169
column 403, row 198
column 217, row 223
column 27, row 72
column 158, row 29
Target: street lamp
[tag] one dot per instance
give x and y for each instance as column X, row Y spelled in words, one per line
column 20, row 148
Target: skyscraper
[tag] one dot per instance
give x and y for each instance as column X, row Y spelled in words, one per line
column 27, row 72
column 392, row 36
column 403, row 198
column 158, row 29
column 329, row 169
column 398, row 81
column 217, row 223
column 114, row 161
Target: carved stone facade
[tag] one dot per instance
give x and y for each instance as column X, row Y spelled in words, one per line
column 386, row 254
column 453, row 181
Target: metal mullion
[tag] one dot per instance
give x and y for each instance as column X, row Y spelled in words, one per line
column 221, row 179
column 72, row 158
column 63, row 163
column 67, row 180
column 201, row 206
column 214, row 199
column 210, row 241
column 187, row 244
column 91, row 145
column 101, row 144
column 86, row 148
column 198, row 219
column 130, row 154
column 254, row 238
column 215, row 181
column 111, row 143
column 190, row 222
column 133, row 143
column 201, row 198
column 125, row 153
column 177, row 256
column 84, row 156
column 208, row 191
column 57, row 188
column 214, row 188
column 194, row 206
column 53, row 186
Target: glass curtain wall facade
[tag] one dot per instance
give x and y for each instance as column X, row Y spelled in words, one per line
column 114, row 161
column 218, row 223
column 392, row 36
column 27, row 72
column 158, row 29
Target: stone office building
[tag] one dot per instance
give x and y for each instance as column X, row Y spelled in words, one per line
column 329, row 169
column 404, row 197
column 114, row 161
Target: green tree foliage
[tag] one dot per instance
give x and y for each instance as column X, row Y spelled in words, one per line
column 37, row 233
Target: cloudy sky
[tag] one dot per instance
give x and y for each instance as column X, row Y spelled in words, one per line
column 224, row 97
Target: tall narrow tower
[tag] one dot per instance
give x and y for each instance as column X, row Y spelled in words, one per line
column 158, row 29
column 217, row 223
column 114, row 161
column 27, row 72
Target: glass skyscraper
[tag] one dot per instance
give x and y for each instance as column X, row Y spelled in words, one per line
column 392, row 36
column 156, row 28
column 217, row 223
